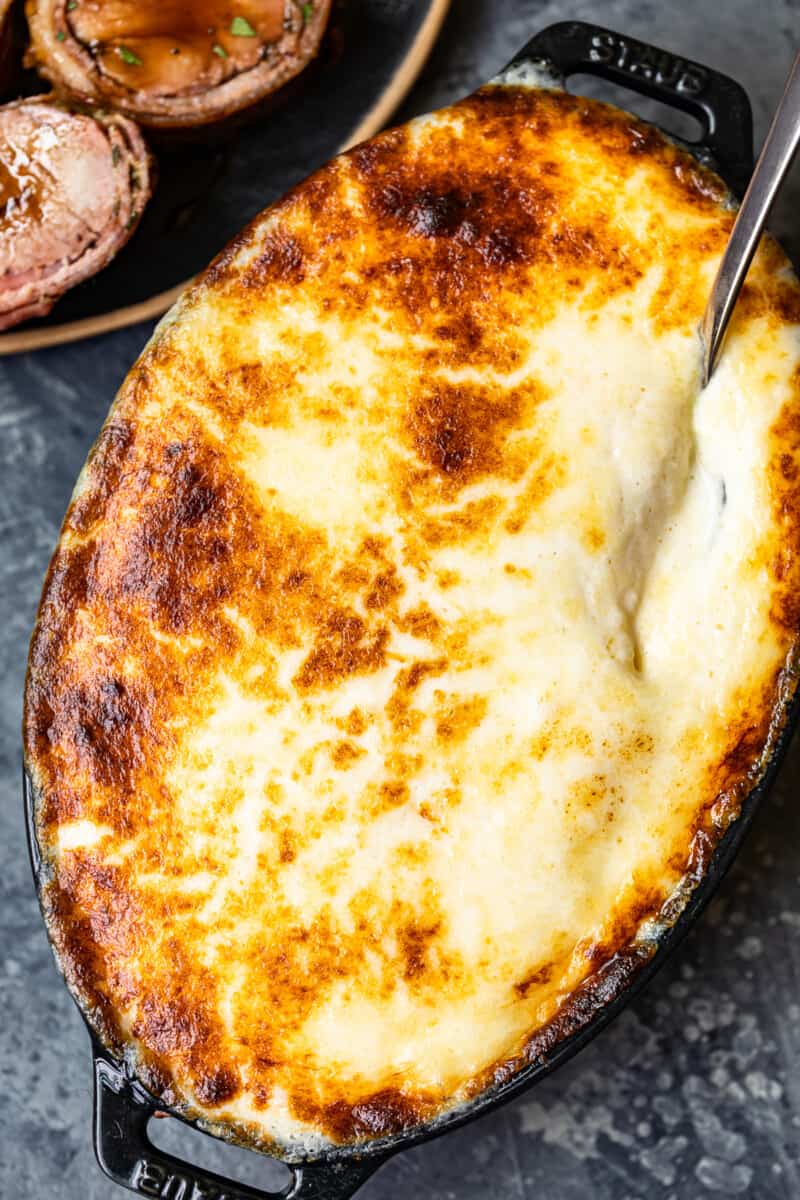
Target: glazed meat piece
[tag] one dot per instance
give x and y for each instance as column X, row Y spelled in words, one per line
column 72, row 189
column 172, row 64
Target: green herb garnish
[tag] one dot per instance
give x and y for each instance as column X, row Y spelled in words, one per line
column 73, row 4
column 220, row 51
column 128, row 56
column 61, row 36
column 242, row 28
column 308, row 12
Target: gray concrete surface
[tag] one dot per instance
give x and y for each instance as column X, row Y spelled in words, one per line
column 694, row 1093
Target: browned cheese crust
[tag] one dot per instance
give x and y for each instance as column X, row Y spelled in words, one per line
column 183, row 574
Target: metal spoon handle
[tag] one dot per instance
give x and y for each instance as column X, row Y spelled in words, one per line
column 773, row 163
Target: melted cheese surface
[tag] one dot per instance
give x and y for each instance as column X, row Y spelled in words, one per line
column 418, row 620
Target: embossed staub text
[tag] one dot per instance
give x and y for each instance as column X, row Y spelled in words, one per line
column 152, row 1179
column 635, row 58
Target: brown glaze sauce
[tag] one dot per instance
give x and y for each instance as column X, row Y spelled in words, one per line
column 20, row 192
column 172, row 47
column 25, row 181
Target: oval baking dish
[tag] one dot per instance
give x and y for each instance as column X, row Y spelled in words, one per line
column 129, row 1089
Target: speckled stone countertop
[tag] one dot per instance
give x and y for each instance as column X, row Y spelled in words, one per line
column 694, row 1092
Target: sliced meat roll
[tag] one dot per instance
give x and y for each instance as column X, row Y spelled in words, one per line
column 172, row 64
column 72, row 189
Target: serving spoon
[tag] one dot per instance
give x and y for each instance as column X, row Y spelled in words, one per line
column 773, row 163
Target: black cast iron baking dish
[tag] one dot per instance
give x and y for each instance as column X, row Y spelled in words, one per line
column 123, row 1107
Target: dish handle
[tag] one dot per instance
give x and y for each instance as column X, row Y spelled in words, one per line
column 718, row 102
column 122, row 1109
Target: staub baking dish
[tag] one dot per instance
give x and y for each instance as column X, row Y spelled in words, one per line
column 160, row 515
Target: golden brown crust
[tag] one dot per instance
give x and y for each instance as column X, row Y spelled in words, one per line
column 180, row 573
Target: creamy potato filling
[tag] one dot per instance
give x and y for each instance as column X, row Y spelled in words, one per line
column 455, row 616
